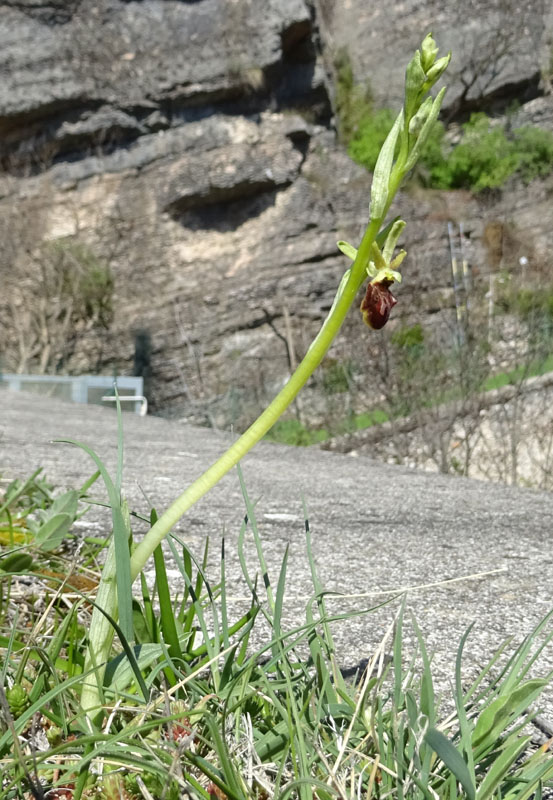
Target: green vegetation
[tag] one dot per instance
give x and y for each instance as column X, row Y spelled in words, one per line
column 370, row 133
column 531, row 303
column 488, row 155
column 534, row 152
column 292, row 431
column 190, row 716
column 83, row 280
column 485, row 158
column 426, row 375
column 129, row 693
column 536, row 368
column 337, row 376
column 353, row 101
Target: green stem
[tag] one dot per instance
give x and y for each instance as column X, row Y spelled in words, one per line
column 267, row 419
column 101, row 633
column 99, row 639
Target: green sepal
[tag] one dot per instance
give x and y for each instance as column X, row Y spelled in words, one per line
column 416, row 124
column 347, row 249
column 391, row 240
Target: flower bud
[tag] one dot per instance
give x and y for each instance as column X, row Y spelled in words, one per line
column 377, row 304
column 436, row 71
column 429, row 51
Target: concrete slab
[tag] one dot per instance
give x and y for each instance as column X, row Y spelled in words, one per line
column 463, row 550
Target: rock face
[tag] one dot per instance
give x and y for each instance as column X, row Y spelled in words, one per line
column 501, row 48
column 190, row 146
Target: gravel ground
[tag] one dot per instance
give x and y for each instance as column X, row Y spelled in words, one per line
column 463, row 550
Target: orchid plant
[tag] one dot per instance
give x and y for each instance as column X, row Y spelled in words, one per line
column 373, row 259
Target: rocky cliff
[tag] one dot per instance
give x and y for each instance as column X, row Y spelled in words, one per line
column 180, row 157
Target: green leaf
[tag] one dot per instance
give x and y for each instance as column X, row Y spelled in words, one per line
column 465, row 728
column 397, row 660
column 425, row 131
column 17, row 489
column 56, row 521
column 504, row 710
column 51, row 534
column 501, row 766
column 416, row 123
column 121, row 543
column 16, row 562
column 316, row 641
column 65, row 504
column 279, row 597
column 167, row 616
column 453, row 760
column 119, row 473
column 129, row 653
column 382, row 170
column 120, row 672
column 121, row 536
column 427, row 697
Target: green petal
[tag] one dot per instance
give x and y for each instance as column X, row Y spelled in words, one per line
column 387, row 274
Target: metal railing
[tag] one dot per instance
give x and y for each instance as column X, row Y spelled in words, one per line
column 80, row 388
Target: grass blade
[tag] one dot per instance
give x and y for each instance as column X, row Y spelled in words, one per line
column 501, row 766
column 502, row 712
column 453, row 760
column 224, row 610
column 280, row 597
column 465, row 729
column 315, row 642
column 121, row 531
column 257, row 539
column 166, row 615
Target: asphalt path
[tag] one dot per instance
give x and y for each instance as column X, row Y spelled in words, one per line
column 461, row 550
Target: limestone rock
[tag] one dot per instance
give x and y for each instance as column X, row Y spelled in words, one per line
column 188, row 147
column 500, row 49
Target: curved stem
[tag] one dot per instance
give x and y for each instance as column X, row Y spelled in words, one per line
column 101, row 633
column 100, row 637
column 267, row 419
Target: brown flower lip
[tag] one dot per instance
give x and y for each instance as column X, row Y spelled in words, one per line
column 377, row 304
